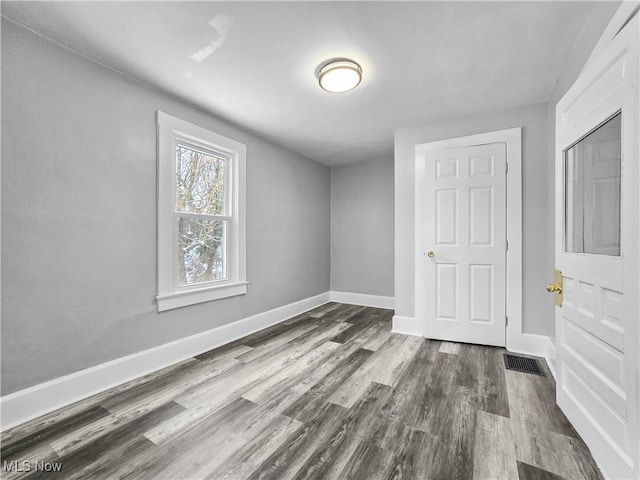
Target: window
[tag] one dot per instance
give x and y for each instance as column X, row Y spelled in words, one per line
column 593, row 168
column 201, row 205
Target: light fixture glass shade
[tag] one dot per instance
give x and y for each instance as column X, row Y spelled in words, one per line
column 340, row 76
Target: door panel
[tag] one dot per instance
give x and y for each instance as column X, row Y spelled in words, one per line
column 481, row 281
column 465, row 227
column 481, row 211
column 596, row 247
column 447, row 217
column 447, row 167
column 480, row 166
column 447, row 292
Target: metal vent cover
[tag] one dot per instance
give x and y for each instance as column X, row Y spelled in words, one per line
column 522, row 364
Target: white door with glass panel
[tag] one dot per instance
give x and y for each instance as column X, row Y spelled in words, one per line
column 463, row 244
column 596, row 254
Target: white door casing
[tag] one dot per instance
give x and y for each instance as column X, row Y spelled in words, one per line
column 461, row 218
column 597, row 325
column 512, row 139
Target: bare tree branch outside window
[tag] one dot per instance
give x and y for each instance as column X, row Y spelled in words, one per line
column 201, row 238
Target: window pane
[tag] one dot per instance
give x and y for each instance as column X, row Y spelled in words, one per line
column 201, row 250
column 199, row 182
column 592, row 191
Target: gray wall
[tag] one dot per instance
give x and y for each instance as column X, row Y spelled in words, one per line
column 537, row 254
column 362, row 228
column 79, row 217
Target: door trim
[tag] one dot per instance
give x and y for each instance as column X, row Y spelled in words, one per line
column 512, row 138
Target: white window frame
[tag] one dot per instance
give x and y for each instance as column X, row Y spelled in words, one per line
column 170, row 132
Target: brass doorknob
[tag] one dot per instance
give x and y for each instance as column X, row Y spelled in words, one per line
column 554, row 288
column 431, row 254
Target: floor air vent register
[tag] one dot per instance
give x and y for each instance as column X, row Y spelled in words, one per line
column 522, row 364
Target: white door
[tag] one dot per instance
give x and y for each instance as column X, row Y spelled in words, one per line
column 597, row 254
column 464, row 244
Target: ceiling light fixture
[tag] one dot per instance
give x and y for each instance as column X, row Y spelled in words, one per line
column 340, row 75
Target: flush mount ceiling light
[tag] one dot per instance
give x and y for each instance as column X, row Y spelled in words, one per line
column 340, row 75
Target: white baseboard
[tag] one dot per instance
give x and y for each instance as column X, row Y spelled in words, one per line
column 536, row 345
column 38, row 400
column 376, row 301
column 406, row 326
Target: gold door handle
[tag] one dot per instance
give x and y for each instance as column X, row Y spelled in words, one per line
column 431, row 254
column 556, row 288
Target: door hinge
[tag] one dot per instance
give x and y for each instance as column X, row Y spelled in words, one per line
column 506, row 245
column 506, row 167
column 506, row 320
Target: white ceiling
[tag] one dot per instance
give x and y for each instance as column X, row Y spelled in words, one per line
column 254, row 63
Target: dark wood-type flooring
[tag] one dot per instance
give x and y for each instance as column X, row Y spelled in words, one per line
column 329, row 394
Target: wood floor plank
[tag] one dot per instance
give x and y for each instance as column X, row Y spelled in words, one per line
column 353, row 331
column 469, row 367
column 169, row 387
column 481, row 369
column 204, row 447
column 494, row 451
column 414, row 384
column 97, row 454
column 360, row 321
column 332, row 457
column 43, row 454
column 391, row 368
column 538, row 390
column 492, row 388
column 328, row 394
column 387, row 315
column 220, row 425
column 429, row 414
column 529, row 472
column 264, row 336
column 249, row 458
column 290, row 458
column 413, row 451
column 368, row 334
column 211, row 395
column 189, row 418
column 108, row 463
column 344, row 313
column 533, row 423
column 58, row 417
column 282, row 395
column 369, row 461
column 248, row 381
column 265, row 348
column 454, row 455
column 307, row 406
column 450, row 347
column 35, row 447
column 584, row 464
column 324, row 309
column 279, row 386
column 78, row 438
column 379, row 336
column 230, row 350
column 390, row 359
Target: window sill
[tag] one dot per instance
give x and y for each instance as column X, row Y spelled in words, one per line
column 183, row 298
